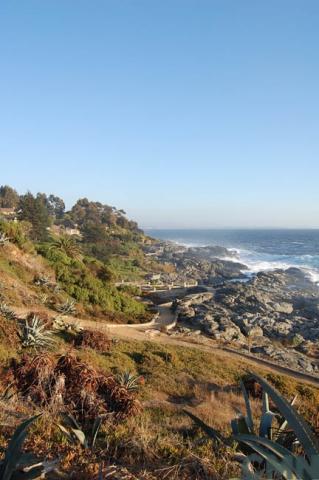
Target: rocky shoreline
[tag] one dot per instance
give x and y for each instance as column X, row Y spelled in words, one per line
column 272, row 314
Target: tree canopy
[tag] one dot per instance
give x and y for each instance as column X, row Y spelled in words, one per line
column 9, row 198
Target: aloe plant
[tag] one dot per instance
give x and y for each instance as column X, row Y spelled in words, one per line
column 16, row 464
column 263, row 446
column 129, row 381
column 75, row 433
column 67, row 308
column 7, row 312
column 34, row 334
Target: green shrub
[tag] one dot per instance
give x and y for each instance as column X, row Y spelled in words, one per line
column 17, row 232
column 80, row 281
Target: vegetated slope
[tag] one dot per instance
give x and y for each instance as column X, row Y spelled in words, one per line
column 87, row 251
column 135, row 391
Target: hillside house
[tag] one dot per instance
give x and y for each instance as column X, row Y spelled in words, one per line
column 8, row 213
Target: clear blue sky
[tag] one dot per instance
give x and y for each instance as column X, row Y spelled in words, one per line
column 186, row 113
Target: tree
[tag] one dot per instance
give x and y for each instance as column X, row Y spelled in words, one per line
column 94, row 233
column 66, row 244
column 9, row 198
column 34, row 210
column 84, row 212
column 56, row 206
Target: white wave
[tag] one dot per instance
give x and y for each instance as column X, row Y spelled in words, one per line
column 257, row 262
column 264, row 265
column 312, row 274
column 255, row 266
column 230, row 259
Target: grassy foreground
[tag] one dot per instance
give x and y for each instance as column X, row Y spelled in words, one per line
column 158, row 440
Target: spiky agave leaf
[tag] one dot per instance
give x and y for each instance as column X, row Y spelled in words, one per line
column 265, row 427
column 4, row 239
column 34, row 333
column 267, row 417
column 284, row 423
column 13, row 451
column 61, row 324
column 265, row 451
column 67, row 308
column 7, row 312
column 281, row 460
column 95, row 430
column 277, row 457
column 129, row 381
column 249, row 416
column 296, row 422
column 76, row 435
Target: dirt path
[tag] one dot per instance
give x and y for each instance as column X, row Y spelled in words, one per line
column 153, row 331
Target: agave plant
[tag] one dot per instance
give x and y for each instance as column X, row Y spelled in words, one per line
column 67, row 308
column 16, row 464
column 34, row 334
column 264, row 448
column 129, row 381
column 6, row 312
column 3, row 239
column 43, row 298
column 67, row 245
column 75, row 433
column 61, row 324
column 42, row 281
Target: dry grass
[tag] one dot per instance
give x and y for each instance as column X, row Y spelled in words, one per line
column 160, row 442
column 66, row 383
column 221, row 407
column 98, row 341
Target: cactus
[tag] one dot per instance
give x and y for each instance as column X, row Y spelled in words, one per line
column 265, row 449
column 129, row 381
column 67, row 308
column 34, row 334
column 6, row 312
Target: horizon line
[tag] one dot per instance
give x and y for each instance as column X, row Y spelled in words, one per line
column 229, row 228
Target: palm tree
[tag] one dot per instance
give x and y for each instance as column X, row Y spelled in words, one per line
column 67, row 245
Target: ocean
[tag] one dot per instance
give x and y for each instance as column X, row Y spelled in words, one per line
column 260, row 250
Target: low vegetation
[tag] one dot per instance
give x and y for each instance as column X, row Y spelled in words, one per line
column 76, row 403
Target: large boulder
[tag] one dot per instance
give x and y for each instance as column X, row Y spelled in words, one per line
column 254, row 331
column 283, row 307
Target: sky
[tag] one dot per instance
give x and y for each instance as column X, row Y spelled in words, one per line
column 186, row 113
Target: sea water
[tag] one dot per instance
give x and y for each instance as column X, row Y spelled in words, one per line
column 260, row 250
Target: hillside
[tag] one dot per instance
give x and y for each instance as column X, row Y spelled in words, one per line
column 82, row 255
column 107, row 403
